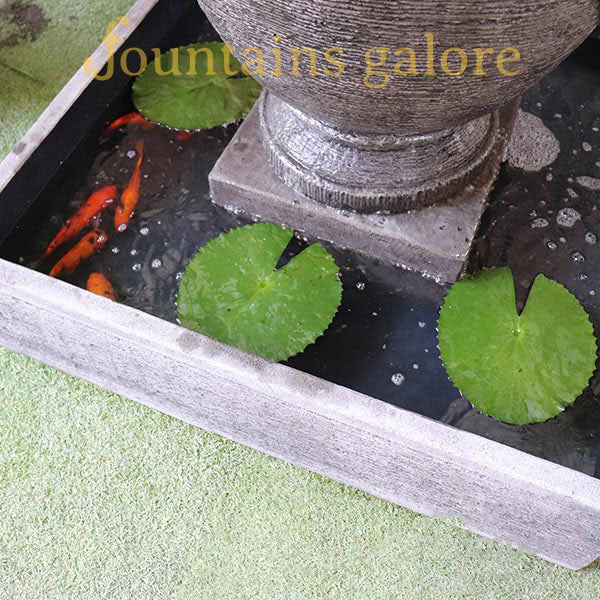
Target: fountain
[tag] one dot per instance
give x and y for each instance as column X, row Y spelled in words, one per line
column 400, row 171
column 400, row 111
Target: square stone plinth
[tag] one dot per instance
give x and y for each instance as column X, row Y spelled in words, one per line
column 434, row 241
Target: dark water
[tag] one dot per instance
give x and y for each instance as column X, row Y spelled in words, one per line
column 383, row 340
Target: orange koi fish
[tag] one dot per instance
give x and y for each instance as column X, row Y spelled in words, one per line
column 95, row 204
column 98, row 284
column 131, row 195
column 185, row 135
column 130, row 119
column 90, row 244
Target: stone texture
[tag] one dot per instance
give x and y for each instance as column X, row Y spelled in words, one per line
column 428, row 127
column 434, row 241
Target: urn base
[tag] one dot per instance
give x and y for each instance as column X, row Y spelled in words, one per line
column 434, row 241
column 369, row 173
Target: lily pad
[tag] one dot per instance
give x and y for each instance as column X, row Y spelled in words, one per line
column 194, row 99
column 233, row 292
column 518, row 369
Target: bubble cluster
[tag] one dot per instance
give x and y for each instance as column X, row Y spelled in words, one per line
column 567, row 217
column 532, row 146
column 539, row 223
column 398, row 379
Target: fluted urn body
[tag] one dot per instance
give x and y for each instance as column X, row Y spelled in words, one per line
column 387, row 105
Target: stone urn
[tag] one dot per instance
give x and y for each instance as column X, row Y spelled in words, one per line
column 414, row 116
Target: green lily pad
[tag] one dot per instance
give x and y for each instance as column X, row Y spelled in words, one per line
column 194, row 99
column 517, row 369
column 231, row 291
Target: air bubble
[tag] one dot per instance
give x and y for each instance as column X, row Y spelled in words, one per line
column 567, row 217
column 590, row 183
column 398, row 379
column 539, row 223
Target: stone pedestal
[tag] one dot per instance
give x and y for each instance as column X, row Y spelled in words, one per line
column 434, row 241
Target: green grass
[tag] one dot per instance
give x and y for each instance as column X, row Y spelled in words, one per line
column 102, row 498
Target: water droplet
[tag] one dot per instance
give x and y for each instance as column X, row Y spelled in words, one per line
column 539, row 223
column 583, row 277
column 415, row 366
column 179, row 276
column 549, row 177
column 131, row 154
column 578, row 257
column 587, row 147
column 156, row 263
column 572, row 193
column 137, row 267
column 115, row 250
column 592, row 292
column 133, row 252
column 398, row 379
column 360, row 286
column 374, row 314
column 590, row 238
column 122, row 227
column 552, row 245
column 567, row 217
column 422, row 325
column 144, row 231
column 101, row 238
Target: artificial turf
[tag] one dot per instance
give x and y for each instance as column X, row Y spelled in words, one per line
column 102, row 498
